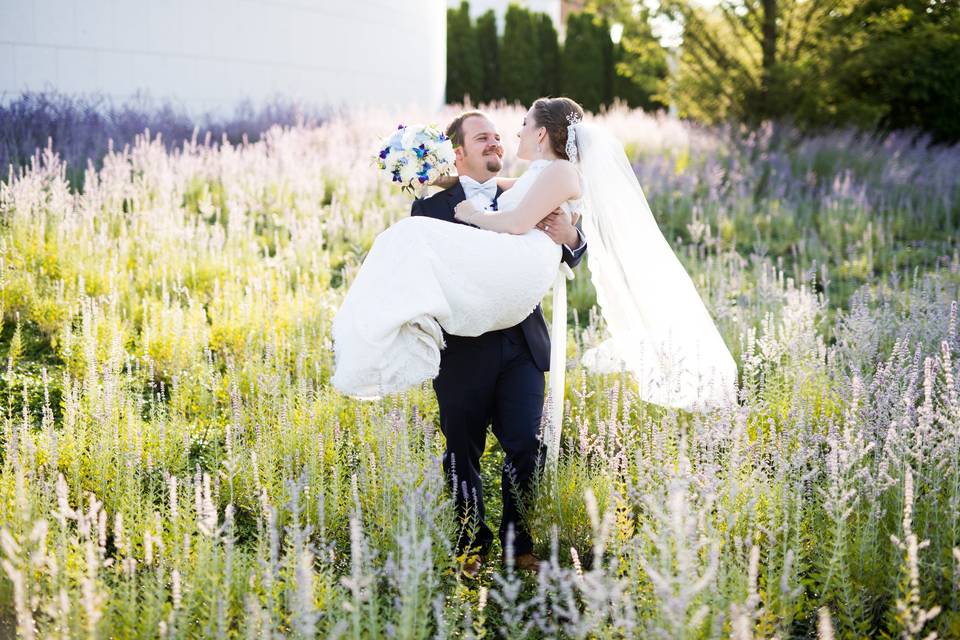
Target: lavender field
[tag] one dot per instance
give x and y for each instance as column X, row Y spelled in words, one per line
column 175, row 463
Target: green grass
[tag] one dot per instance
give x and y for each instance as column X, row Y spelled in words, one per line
column 175, row 463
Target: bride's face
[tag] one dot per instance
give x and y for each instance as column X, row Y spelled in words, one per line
column 530, row 136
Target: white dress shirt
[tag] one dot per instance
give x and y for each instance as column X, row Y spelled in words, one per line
column 580, row 245
column 473, row 188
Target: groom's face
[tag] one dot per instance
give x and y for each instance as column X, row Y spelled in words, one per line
column 481, row 154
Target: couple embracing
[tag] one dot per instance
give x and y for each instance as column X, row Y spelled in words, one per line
column 459, row 303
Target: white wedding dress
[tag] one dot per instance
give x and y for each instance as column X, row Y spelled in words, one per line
column 423, row 274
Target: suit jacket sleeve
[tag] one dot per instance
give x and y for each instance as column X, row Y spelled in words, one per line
column 416, row 209
column 429, row 207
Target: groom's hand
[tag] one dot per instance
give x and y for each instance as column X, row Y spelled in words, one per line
column 559, row 226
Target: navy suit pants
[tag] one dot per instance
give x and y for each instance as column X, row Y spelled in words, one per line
column 490, row 379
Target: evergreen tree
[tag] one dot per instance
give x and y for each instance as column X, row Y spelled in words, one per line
column 549, row 42
column 464, row 72
column 584, row 74
column 488, row 44
column 519, row 57
column 601, row 32
column 639, row 70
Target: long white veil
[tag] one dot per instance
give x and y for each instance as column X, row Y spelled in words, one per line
column 660, row 329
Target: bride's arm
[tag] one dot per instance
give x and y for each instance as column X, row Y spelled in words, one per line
column 558, row 183
column 506, row 183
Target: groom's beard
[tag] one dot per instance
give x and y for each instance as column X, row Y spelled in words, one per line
column 494, row 162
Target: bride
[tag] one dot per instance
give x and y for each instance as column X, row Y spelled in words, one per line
column 423, row 274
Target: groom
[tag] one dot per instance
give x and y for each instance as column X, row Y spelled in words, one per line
column 495, row 377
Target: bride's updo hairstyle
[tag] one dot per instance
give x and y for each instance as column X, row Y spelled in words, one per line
column 554, row 114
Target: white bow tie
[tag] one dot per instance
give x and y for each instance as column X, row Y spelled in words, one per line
column 471, row 187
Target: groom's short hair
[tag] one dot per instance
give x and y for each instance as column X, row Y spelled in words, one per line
column 455, row 129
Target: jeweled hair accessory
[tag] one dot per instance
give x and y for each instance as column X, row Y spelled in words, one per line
column 571, row 148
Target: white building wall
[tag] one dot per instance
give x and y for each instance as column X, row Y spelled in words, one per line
column 208, row 55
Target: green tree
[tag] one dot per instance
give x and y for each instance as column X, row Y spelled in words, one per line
column 603, row 36
column 519, row 57
column 488, row 44
column 585, row 76
column 639, row 80
column 639, row 60
column 877, row 64
column 747, row 59
column 894, row 65
column 464, row 71
column 549, row 42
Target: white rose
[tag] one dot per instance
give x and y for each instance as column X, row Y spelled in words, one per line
column 393, row 156
column 409, row 135
column 445, row 151
column 408, row 172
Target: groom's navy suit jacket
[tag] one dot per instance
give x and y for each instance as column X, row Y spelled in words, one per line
column 534, row 327
column 493, row 378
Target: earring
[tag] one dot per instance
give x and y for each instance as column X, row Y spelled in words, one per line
column 540, row 148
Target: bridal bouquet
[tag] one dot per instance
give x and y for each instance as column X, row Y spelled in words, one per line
column 415, row 155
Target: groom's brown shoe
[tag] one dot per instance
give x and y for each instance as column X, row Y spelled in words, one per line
column 527, row 562
column 471, row 566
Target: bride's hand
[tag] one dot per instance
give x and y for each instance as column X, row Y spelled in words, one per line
column 466, row 212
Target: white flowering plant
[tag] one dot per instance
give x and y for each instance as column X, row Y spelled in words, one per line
column 416, row 155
